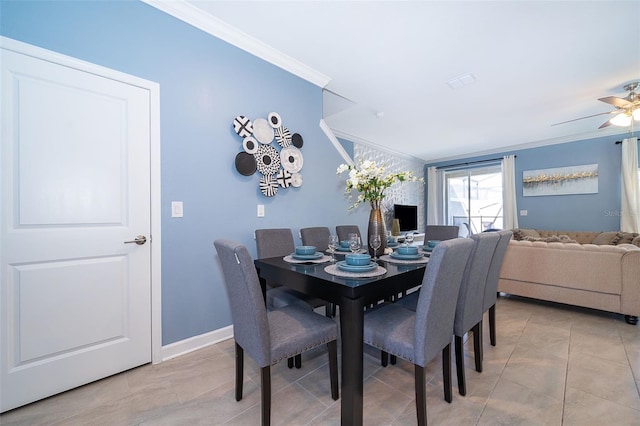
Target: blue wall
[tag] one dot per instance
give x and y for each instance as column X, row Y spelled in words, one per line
column 585, row 212
column 204, row 84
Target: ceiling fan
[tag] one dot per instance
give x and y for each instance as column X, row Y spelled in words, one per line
column 627, row 109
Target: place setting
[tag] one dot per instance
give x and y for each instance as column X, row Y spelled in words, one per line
column 356, row 265
column 404, row 255
column 428, row 248
column 306, row 254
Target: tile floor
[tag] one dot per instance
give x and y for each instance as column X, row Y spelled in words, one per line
column 553, row 365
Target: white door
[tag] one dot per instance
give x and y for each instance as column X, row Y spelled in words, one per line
column 75, row 186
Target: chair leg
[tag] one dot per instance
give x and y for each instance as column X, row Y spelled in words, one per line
column 477, row 346
column 462, row 387
column 384, row 358
column 446, row 372
column 492, row 325
column 298, row 361
column 333, row 369
column 265, row 380
column 393, row 359
column 239, row 371
column 290, row 362
column 421, row 395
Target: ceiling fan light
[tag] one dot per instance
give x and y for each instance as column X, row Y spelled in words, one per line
column 622, row 119
column 636, row 114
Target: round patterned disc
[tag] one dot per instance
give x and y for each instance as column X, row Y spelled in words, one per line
column 268, row 186
column 250, row 145
column 291, row 159
column 267, row 159
column 296, row 180
column 283, row 136
column 274, row 120
column 262, row 131
column 297, row 140
column 284, row 178
column 242, row 126
column 245, row 164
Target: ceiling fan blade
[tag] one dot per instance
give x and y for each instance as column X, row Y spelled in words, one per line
column 617, row 102
column 582, row 118
column 605, row 124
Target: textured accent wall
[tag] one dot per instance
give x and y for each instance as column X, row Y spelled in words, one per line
column 409, row 193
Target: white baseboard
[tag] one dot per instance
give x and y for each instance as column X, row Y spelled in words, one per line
column 191, row 344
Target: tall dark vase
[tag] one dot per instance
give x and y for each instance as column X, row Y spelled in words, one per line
column 376, row 227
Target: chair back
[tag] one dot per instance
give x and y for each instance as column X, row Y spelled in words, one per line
column 248, row 312
column 436, row 306
column 441, row 232
column 343, row 231
column 316, row 236
column 491, row 289
column 274, row 242
column 469, row 308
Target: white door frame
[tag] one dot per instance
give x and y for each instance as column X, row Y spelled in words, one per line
column 154, row 160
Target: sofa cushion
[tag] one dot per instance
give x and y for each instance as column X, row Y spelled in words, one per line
column 519, row 234
column 636, row 241
column 605, row 238
column 624, row 238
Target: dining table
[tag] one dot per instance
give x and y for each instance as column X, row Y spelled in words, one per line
column 351, row 294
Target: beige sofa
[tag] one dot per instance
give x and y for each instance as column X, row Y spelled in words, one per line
column 593, row 269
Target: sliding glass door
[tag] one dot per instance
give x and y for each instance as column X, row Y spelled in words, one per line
column 473, row 198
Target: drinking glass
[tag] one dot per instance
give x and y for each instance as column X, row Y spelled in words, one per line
column 375, row 242
column 355, row 244
column 334, row 243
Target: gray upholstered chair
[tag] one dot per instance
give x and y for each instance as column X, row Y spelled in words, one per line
column 491, row 289
column 276, row 242
column 316, row 236
column 441, row 232
column 419, row 336
column 269, row 336
column 343, row 231
column 469, row 308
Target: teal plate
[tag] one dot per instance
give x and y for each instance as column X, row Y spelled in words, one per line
column 406, row 256
column 316, row 255
column 356, row 268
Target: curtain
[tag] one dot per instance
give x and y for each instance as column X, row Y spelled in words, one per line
column 509, row 205
column 434, row 197
column 630, row 206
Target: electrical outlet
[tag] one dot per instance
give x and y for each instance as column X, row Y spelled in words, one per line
column 523, row 212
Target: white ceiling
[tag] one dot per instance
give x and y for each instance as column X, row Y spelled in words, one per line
column 535, row 63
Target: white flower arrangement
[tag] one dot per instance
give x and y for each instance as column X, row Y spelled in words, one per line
column 370, row 181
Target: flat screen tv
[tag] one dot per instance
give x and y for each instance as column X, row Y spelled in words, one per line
column 408, row 217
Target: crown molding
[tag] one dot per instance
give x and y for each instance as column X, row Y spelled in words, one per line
column 357, row 139
column 197, row 18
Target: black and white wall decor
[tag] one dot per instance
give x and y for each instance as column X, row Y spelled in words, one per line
column 261, row 139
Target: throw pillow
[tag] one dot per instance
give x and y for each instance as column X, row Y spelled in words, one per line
column 625, row 238
column 605, row 238
column 636, row 241
column 552, row 239
column 520, row 234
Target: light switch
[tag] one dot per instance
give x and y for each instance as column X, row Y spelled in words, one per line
column 260, row 210
column 523, row 212
column 176, row 209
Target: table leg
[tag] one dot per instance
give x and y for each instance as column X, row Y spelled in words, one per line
column 351, row 329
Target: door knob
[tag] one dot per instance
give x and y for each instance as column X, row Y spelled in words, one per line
column 140, row 240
